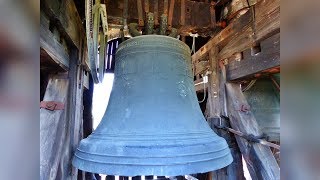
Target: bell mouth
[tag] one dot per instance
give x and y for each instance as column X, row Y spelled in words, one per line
column 135, row 158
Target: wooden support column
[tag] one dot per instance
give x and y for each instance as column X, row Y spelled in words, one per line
column 216, row 107
column 214, row 83
column 259, row 158
column 75, row 113
column 52, row 128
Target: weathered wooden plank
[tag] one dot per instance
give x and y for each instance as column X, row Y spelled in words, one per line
column 52, row 126
column 201, row 67
column 216, row 101
column 65, row 15
column 214, row 83
column 259, row 158
column 268, row 58
column 265, row 12
column 213, row 107
column 236, row 7
column 200, row 86
column 195, row 16
column 74, row 114
column 51, row 46
column 235, row 169
column 245, row 39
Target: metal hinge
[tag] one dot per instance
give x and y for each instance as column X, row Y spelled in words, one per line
column 52, row 105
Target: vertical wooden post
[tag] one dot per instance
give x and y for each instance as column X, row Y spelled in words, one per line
column 260, row 160
column 183, row 39
column 156, row 12
column 140, row 13
column 74, row 114
column 214, row 83
column 235, row 169
column 183, row 13
column 52, row 128
column 216, row 107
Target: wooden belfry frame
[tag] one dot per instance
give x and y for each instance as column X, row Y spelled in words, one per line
column 228, row 58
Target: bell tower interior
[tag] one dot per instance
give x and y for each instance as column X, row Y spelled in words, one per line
column 160, row 89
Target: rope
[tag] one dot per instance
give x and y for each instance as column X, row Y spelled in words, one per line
column 275, row 83
column 193, row 47
column 204, row 81
column 251, row 83
column 204, row 95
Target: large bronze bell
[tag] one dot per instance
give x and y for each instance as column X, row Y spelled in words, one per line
column 264, row 100
column 153, row 124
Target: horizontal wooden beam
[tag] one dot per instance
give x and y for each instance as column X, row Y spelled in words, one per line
column 199, row 86
column 237, row 7
column 195, row 17
column 54, row 51
column 259, row 158
column 266, row 21
column 263, row 29
column 201, row 67
column 268, row 58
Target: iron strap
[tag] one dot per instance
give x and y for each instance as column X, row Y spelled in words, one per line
column 52, row 105
column 249, row 137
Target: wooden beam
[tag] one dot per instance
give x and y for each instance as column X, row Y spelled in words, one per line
column 245, row 39
column 235, row 169
column 75, row 116
column 266, row 12
column 50, row 45
column 259, row 158
column 214, row 83
column 201, row 67
column 52, row 128
column 215, row 104
column 170, row 13
column 237, row 7
column 65, row 15
column 268, row 58
column 188, row 16
column 200, row 86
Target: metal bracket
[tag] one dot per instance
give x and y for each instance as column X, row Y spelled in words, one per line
column 52, row 105
column 244, row 108
column 224, row 61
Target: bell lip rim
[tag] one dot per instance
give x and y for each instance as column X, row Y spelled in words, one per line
column 227, row 160
column 151, row 35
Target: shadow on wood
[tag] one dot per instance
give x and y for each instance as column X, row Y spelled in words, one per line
column 259, row 158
